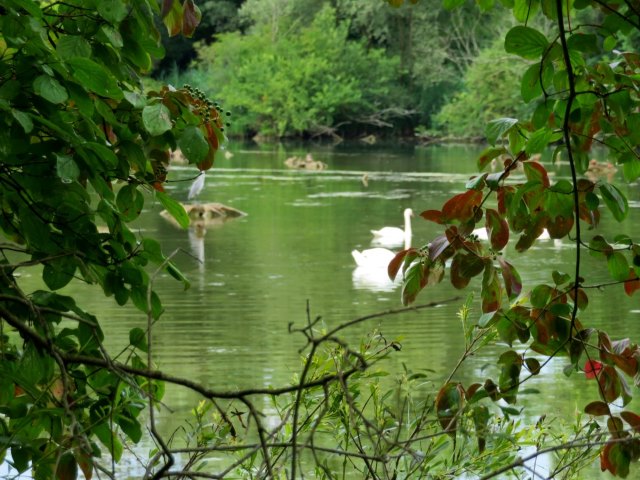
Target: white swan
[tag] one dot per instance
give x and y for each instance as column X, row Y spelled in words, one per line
column 482, row 234
column 373, row 257
column 394, row 236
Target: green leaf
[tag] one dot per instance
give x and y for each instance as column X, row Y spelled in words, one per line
column 130, row 202
column 113, row 11
column 193, row 144
column 631, row 170
column 138, row 339
column 618, row 266
column 156, row 119
column 58, row 272
column 538, row 141
column 530, row 87
column 70, row 46
column 50, row 89
column 175, row 209
column 509, row 375
column 497, row 128
column 66, row 168
column 452, row 4
column 615, row 201
column 104, row 153
column 540, row 296
column 95, row 77
column 109, row 439
column 172, row 17
column 23, row 119
column 525, row 42
column 135, row 99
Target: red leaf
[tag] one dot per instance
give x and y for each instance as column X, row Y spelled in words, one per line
column 491, row 292
column 433, row 216
column 592, row 368
column 597, row 408
column 191, row 18
column 462, row 207
column 497, row 228
column 511, row 277
column 536, row 172
column 167, row 5
column 632, row 284
column 396, row 262
column 632, row 419
column 560, row 226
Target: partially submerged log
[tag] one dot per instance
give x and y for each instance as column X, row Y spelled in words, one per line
column 307, row 163
column 206, row 214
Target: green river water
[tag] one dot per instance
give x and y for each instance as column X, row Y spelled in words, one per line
column 255, row 274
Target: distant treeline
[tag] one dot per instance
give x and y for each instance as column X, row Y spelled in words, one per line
column 305, row 68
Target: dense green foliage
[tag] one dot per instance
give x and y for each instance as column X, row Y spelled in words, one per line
column 582, row 92
column 83, row 148
column 364, row 67
column 279, row 84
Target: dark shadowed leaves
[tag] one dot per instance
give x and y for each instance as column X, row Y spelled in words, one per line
column 449, row 402
column 511, row 365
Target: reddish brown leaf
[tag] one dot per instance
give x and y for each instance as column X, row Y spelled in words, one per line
column 592, row 368
column 462, row 207
column 615, row 426
column 67, row 467
column 511, row 278
column 191, row 18
column 632, row 284
column 471, row 390
column 582, row 299
column 458, row 280
column 85, row 462
column 559, row 227
column 597, row 408
column 632, row 419
column 491, row 292
column 497, row 229
column 610, row 386
column 536, row 172
column 396, row 263
column 432, row 216
column 167, row 5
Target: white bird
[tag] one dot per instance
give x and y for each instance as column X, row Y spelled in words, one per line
column 394, row 236
column 196, row 186
column 373, row 257
column 482, row 234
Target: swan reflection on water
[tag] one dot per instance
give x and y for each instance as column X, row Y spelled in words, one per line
column 374, row 279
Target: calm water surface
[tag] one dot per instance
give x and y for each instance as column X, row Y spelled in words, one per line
column 256, row 274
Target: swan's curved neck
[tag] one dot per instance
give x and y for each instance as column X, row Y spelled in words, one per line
column 407, row 230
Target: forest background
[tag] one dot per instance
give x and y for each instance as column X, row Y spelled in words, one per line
column 350, row 68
